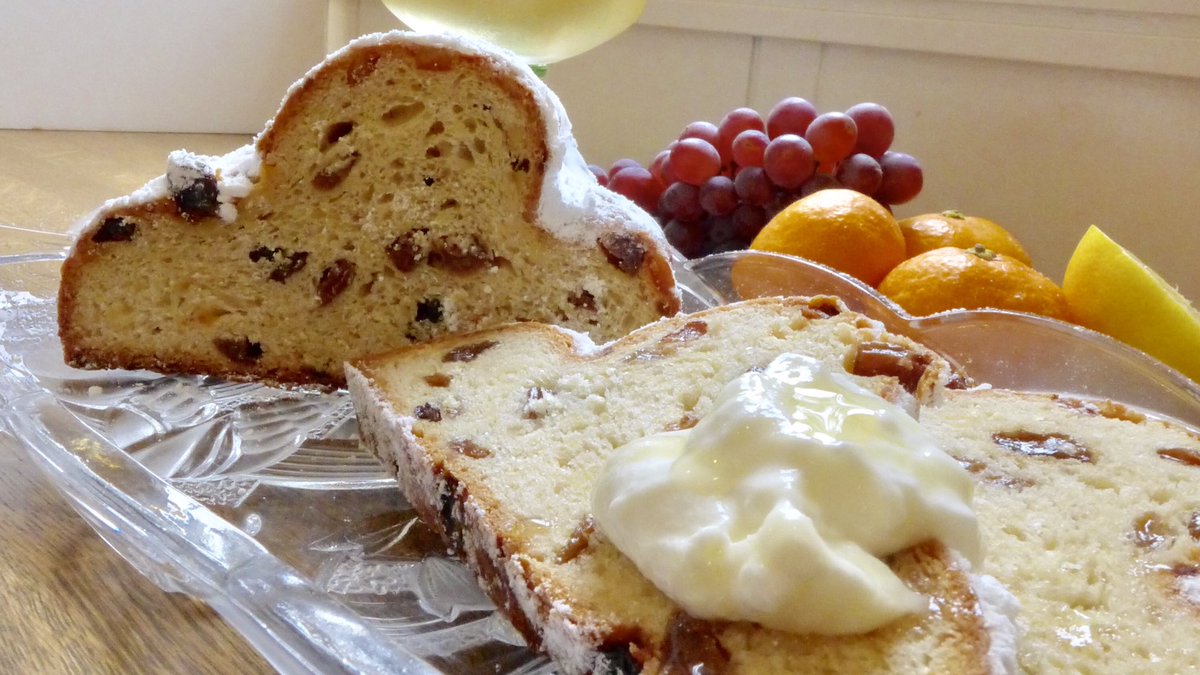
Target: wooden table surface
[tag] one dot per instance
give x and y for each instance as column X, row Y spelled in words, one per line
column 68, row 603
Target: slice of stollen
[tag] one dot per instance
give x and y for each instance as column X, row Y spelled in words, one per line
column 497, row 439
column 410, row 186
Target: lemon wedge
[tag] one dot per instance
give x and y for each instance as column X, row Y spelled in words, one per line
column 1109, row 290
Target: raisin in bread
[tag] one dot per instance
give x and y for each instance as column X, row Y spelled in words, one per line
column 1091, row 516
column 498, row 437
column 409, row 186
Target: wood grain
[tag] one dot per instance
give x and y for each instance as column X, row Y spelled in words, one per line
column 69, row 603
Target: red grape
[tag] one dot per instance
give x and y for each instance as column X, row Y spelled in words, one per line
column 789, row 161
column 902, row 178
column 682, row 202
column 748, row 220
column 779, row 202
column 876, row 129
column 659, row 168
column 694, row 161
column 753, row 186
column 638, row 185
column 718, row 195
column 820, row 181
column 792, row 115
column 721, row 229
column 748, row 147
column 705, row 131
column 734, row 123
column 832, row 136
column 860, row 172
column 623, row 163
column 600, row 174
column 688, row 238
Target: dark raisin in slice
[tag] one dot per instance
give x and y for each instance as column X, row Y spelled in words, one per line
column 263, row 253
column 1181, row 455
column 1149, row 531
column 114, row 229
column 616, row 660
column 335, row 172
column 578, row 542
column 624, row 251
column 880, row 358
column 198, row 198
column 450, row 502
column 469, row 352
column 583, row 300
column 692, row 646
column 288, row 263
column 437, row 380
column 334, row 280
column 428, row 412
column 691, row 330
column 291, row 263
column 469, row 448
column 687, row 421
column 406, row 250
column 460, row 255
column 430, row 310
column 1058, row 446
column 239, row 350
column 533, row 394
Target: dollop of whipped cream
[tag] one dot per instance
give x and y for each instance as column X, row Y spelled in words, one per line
column 778, row 505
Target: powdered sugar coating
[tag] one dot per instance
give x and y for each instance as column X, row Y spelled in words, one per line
column 999, row 609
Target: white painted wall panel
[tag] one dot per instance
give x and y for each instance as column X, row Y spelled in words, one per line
column 213, row 66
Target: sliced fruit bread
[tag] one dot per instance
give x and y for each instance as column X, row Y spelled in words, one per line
column 498, row 437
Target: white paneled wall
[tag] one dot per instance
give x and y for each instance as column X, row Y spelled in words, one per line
column 1045, row 116
column 147, row 65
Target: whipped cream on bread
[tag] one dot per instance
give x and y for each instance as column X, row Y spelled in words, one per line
column 778, row 506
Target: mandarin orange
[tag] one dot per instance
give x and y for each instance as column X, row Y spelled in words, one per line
column 973, row 278
column 952, row 228
column 843, row 229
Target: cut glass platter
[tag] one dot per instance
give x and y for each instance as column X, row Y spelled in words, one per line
column 261, row 503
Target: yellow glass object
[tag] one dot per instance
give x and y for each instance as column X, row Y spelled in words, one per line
column 540, row 32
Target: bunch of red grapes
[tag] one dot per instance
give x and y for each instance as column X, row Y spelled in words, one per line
column 717, row 185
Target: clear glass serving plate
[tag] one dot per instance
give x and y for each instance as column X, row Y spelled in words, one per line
column 260, row 502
